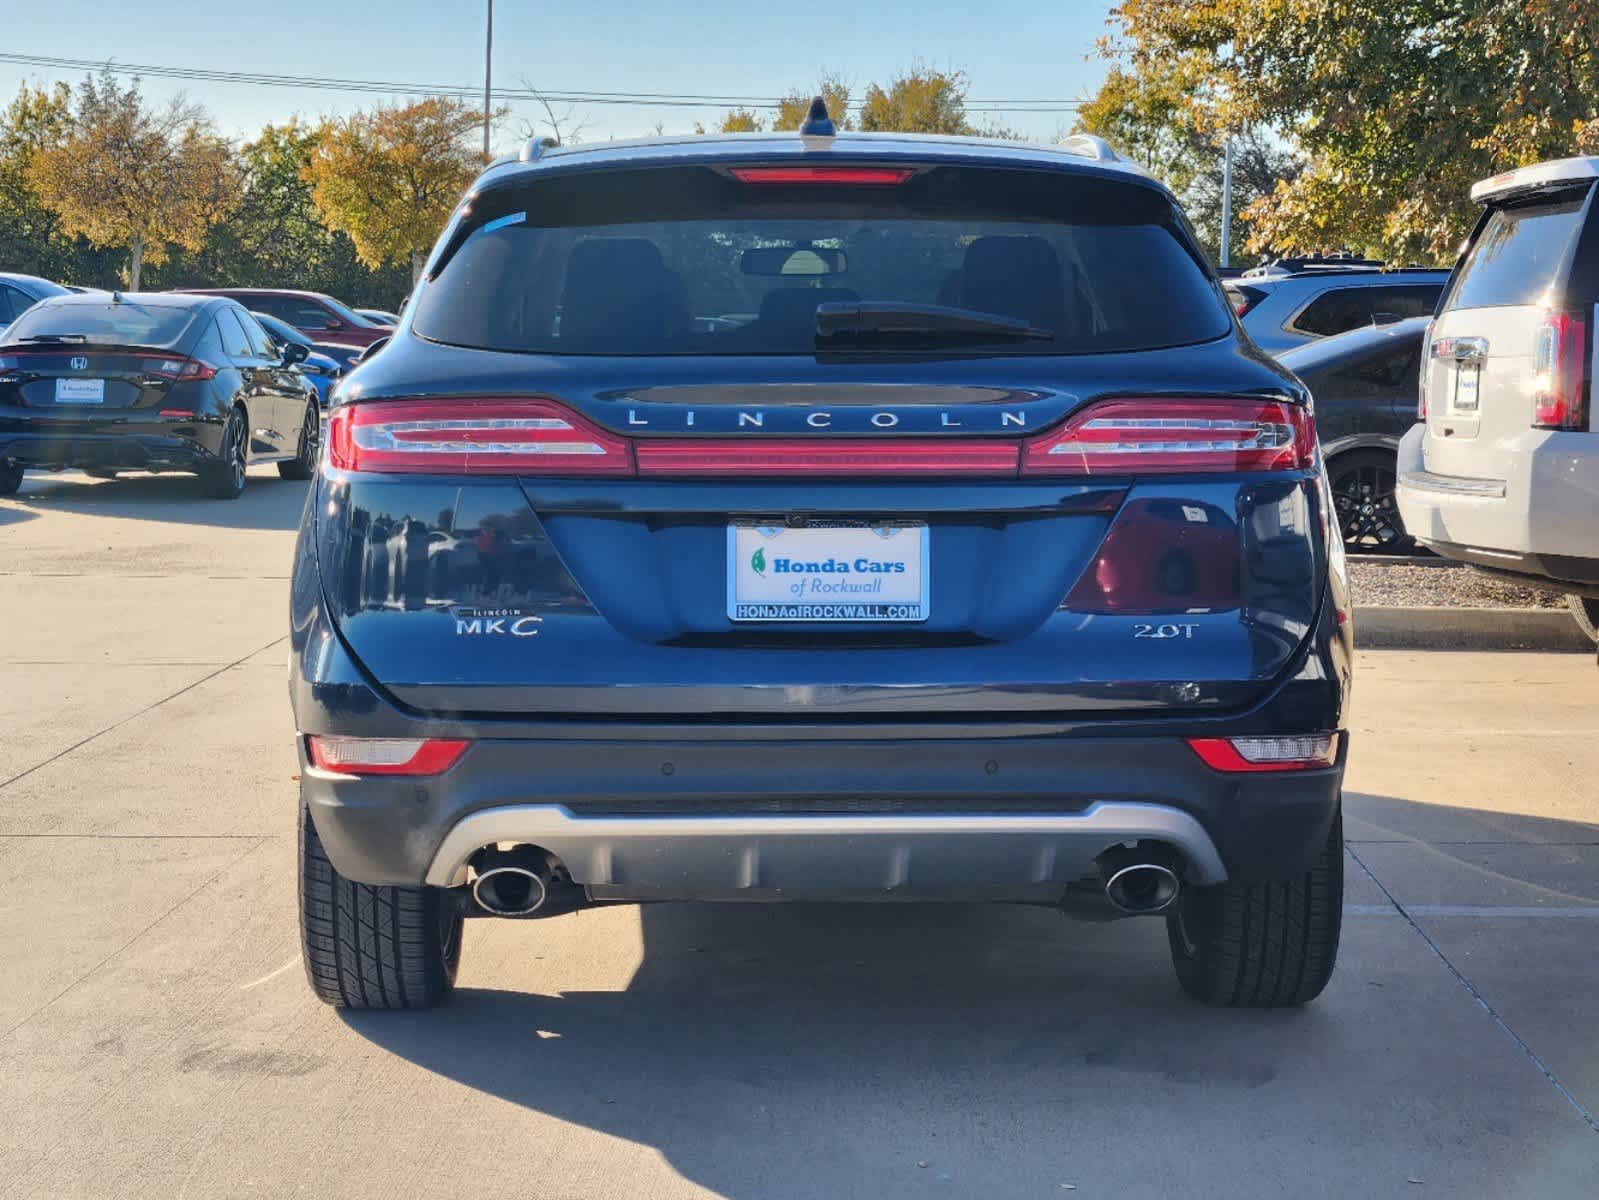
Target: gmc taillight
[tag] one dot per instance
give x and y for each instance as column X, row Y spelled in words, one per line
column 1160, row 436
column 1424, row 379
column 1561, row 372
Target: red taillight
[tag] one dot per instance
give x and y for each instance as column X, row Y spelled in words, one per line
column 813, row 456
column 178, row 368
column 1304, row 752
column 1140, row 437
column 472, row 437
column 384, row 756
column 846, row 176
column 1560, row 373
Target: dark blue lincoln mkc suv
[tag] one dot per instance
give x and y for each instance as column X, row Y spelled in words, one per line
column 820, row 517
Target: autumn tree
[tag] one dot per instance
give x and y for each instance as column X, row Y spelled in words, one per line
column 136, row 176
column 921, row 100
column 792, row 108
column 390, row 178
column 741, row 120
column 1398, row 108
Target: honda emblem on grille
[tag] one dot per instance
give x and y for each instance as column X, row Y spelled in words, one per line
column 79, row 362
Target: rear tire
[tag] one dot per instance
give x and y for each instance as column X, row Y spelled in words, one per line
column 1586, row 611
column 1262, row 945
column 1365, row 503
column 10, row 477
column 303, row 464
column 372, row 947
column 224, row 478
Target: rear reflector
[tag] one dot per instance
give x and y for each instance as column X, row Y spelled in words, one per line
column 1308, row 752
column 384, row 756
column 1560, row 372
column 473, row 437
column 812, row 456
column 1140, row 437
column 846, row 176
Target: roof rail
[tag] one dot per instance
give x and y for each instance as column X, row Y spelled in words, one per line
column 1088, row 145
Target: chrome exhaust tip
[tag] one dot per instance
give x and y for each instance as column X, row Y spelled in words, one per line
column 1143, row 888
column 510, row 891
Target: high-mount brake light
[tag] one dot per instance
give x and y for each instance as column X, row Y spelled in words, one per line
column 1561, row 372
column 1159, row 435
column 472, row 437
column 812, row 456
column 384, row 756
column 846, row 176
column 1302, row 752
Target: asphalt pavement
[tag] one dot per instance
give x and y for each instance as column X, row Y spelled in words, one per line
column 157, row 1037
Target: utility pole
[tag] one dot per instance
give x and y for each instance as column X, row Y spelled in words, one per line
column 1226, row 203
column 488, row 78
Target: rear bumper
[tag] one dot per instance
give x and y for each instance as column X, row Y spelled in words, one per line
column 128, row 450
column 1532, row 515
column 996, row 817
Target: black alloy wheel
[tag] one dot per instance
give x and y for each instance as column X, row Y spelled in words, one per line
column 1363, row 484
column 224, row 478
column 303, row 464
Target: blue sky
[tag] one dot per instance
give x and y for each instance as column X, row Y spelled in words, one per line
column 1011, row 49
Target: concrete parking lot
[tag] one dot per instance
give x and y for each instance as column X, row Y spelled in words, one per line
column 157, row 1037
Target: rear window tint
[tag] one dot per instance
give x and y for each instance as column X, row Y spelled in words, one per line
column 1518, row 255
column 1335, row 311
column 129, row 323
column 688, row 261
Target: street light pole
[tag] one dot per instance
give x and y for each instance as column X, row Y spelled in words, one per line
column 488, row 77
column 1226, row 203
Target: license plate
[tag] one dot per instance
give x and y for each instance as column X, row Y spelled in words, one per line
column 80, row 391
column 835, row 572
column 1468, row 381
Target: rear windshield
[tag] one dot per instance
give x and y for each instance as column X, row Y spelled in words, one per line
column 690, row 261
column 129, row 323
column 1518, row 255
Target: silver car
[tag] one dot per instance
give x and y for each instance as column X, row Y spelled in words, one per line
column 1503, row 472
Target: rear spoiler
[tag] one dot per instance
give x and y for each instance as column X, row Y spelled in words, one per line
column 1536, row 178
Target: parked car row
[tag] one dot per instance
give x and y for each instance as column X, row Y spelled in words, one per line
column 202, row 380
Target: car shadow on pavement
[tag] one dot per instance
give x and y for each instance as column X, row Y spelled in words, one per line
column 268, row 502
column 833, row 1050
column 799, row 1050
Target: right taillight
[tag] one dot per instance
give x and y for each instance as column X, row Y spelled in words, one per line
column 1560, row 372
column 1158, row 435
column 472, row 437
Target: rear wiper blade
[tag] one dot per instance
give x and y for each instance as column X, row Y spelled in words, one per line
column 872, row 319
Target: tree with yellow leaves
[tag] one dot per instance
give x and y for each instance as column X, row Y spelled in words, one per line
column 390, row 178
column 132, row 175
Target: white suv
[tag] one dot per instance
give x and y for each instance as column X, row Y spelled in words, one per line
column 1503, row 471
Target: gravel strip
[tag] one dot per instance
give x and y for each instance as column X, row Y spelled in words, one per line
column 1389, row 585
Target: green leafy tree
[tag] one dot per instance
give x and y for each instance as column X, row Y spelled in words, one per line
column 921, row 100
column 130, row 175
column 1397, row 108
column 390, row 178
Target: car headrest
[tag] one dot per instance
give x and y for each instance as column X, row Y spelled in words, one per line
column 1017, row 276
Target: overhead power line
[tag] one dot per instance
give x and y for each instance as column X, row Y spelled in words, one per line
column 471, row 91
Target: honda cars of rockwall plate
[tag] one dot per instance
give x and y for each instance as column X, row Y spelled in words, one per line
column 820, row 517
column 156, row 382
column 1503, row 470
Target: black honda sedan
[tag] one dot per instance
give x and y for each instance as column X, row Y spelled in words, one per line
column 1364, row 385
column 158, row 382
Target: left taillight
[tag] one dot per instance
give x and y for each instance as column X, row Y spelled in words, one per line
column 1160, row 435
column 472, row 437
column 384, row 756
column 1561, row 372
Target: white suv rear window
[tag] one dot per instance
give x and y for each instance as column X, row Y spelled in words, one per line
column 1518, row 255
